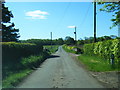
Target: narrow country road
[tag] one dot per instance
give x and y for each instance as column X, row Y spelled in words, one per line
column 60, row 71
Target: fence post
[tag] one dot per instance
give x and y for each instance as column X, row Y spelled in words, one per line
column 112, row 60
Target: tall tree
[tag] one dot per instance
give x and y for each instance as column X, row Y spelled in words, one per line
column 60, row 41
column 9, row 33
column 69, row 40
column 112, row 7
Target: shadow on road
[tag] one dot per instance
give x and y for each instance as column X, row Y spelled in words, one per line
column 53, row 56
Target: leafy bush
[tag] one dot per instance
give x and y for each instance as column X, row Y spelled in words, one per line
column 34, row 61
column 104, row 49
column 20, row 57
column 12, row 53
column 73, row 49
column 88, row 49
column 51, row 49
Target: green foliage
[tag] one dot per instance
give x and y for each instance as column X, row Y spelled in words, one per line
column 72, row 49
column 98, row 39
column 34, row 61
column 51, row 49
column 88, row 49
column 60, row 41
column 18, row 59
column 104, row 49
column 12, row 80
column 6, row 14
column 31, row 62
column 113, row 7
column 69, row 41
column 44, row 41
column 12, row 53
column 96, row 63
column 69, row 49
column 9, row 33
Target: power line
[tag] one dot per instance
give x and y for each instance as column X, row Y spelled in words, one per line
column 86, row 15
column 64, row 13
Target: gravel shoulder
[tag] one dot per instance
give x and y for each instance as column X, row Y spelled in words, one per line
column 109, row 79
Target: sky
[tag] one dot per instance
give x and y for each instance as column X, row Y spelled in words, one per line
column 35, row 20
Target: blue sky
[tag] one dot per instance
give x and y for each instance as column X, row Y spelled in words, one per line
column 38, row 19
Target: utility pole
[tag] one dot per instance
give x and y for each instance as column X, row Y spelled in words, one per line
column 119, row 30
column 51, row 38
column 94, row 21
column 0, row 21
column 75, row 34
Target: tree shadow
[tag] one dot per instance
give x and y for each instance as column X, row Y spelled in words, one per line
column 53, row 56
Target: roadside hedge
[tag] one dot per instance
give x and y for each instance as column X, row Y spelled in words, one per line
column 12, row 51
column 12, row 54
column 34, row 61
column 104, row 49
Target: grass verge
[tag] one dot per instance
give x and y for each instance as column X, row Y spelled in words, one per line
column 27, row 65
column 51, row 49
column 69, row 50
column 12, row 80
column 94, row 63
column 97, row 64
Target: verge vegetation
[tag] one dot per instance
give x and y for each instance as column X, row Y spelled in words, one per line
column 51, row 49
column 100, row 56
column 20, row 59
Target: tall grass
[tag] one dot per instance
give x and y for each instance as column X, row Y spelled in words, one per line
column 28, row 65
column 12, row 53
column 51, row 49
column 93, row 62
column 13, row 79
column 18, row 59
column 96, row 63
column 71, row 49
column 34, row 61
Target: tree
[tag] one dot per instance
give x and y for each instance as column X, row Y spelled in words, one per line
column 60, row 41
column 80, row 42
column 112, row 7
column 113, row 36
column 103, row 38
column 9, row 33
column 69, row 40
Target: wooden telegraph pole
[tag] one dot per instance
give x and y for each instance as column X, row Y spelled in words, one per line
column 119, row 30
column 94, row 21
column 51, row 38
column 0, row 21
column 75, row 34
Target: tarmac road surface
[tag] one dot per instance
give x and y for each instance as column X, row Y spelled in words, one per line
column 60, row 71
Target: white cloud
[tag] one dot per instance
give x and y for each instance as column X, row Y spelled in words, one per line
column 37, row 14
column 71, row 26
